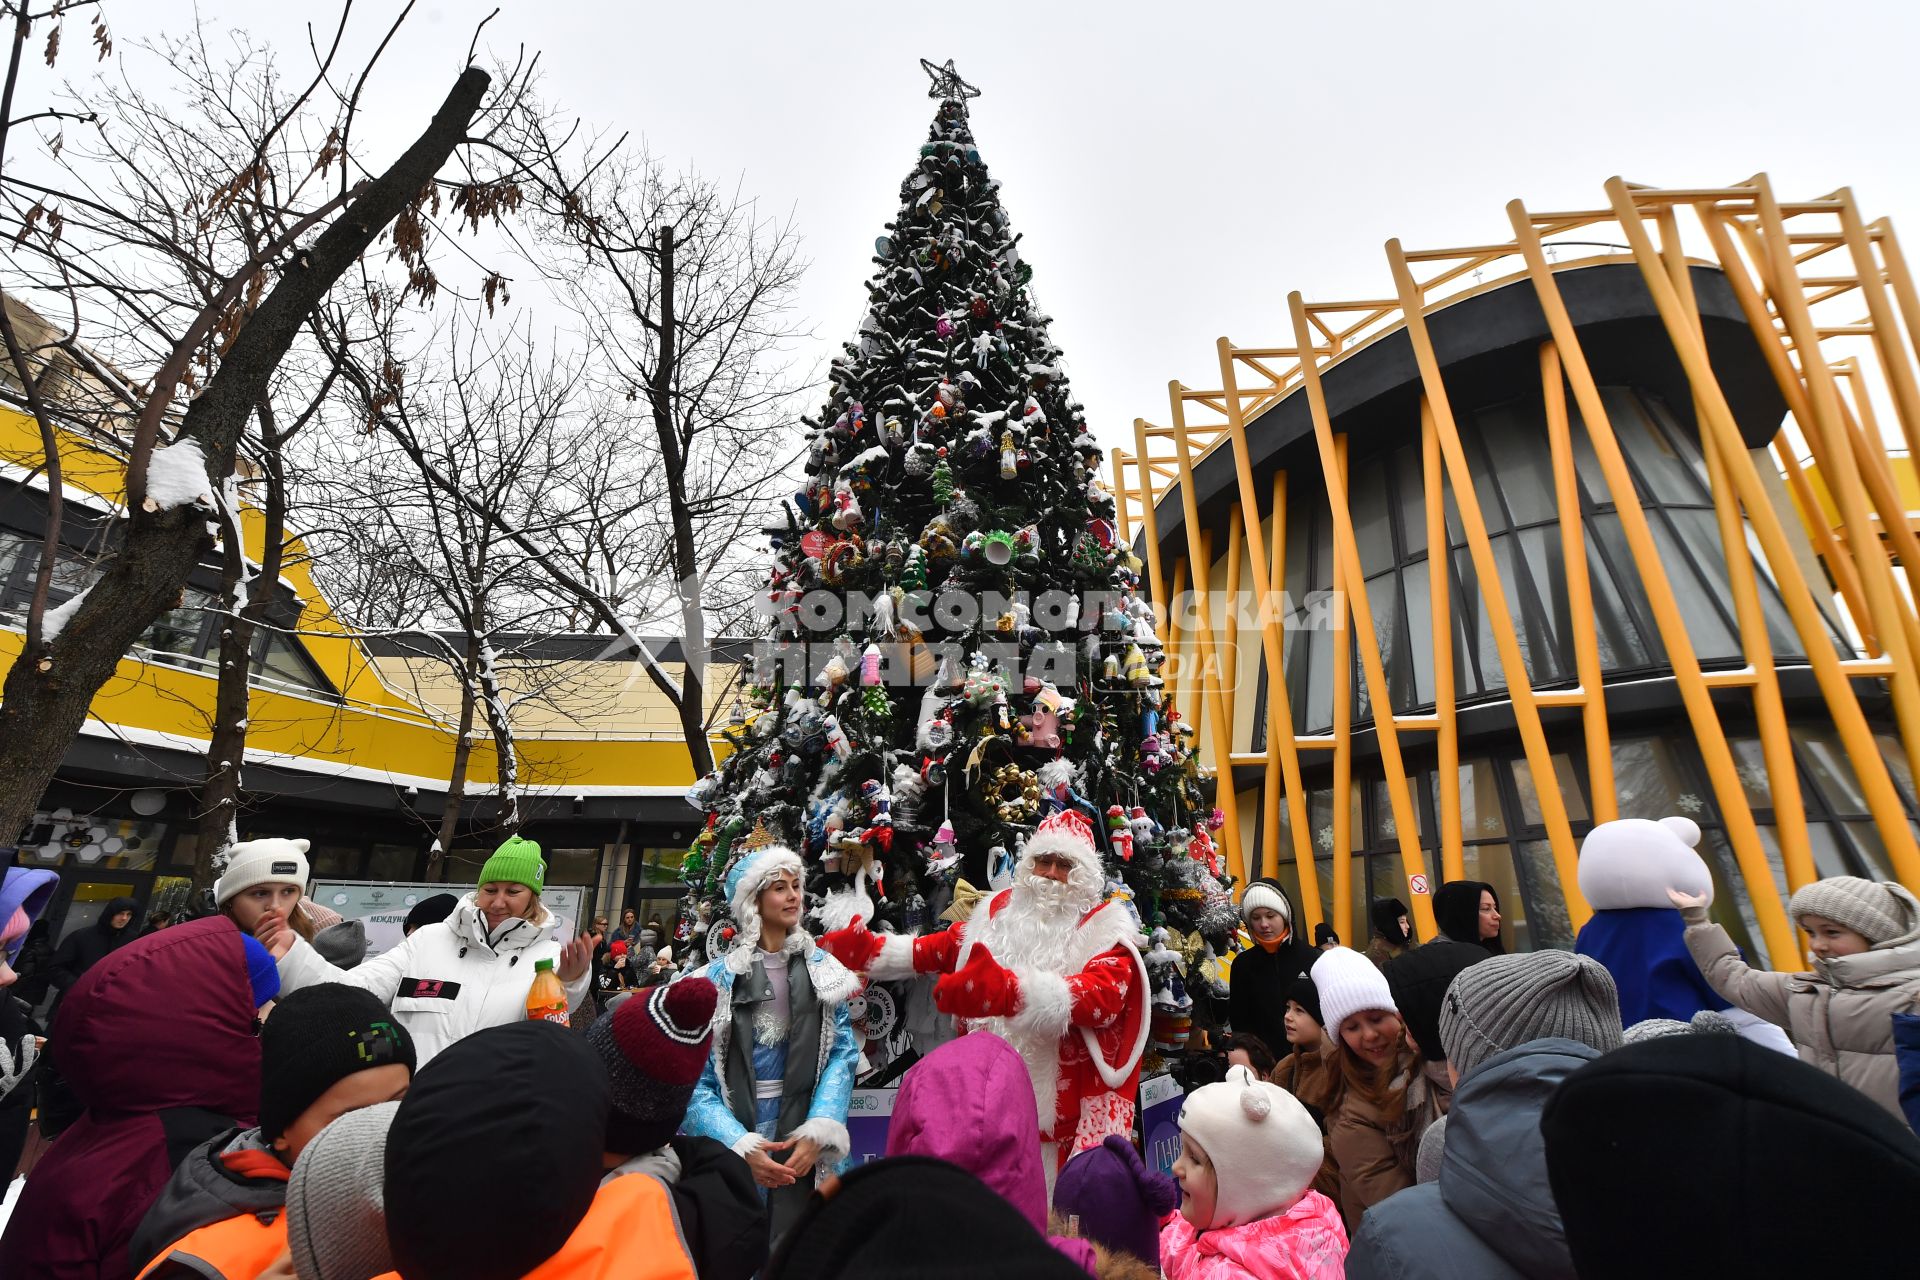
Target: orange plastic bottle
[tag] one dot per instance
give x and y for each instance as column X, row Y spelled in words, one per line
column 547, row 1002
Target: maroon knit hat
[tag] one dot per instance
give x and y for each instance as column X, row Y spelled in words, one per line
column 654, row 1046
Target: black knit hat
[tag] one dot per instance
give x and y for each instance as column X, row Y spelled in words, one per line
column 317, row 1037
column 430, row 911
column 1307, row 996
column 508, row 1120
column 1698, row 1134
column 895, row 1219
column 1323, row 933
column 654, row 1047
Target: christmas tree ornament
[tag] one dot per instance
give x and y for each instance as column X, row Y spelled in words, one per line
column 876, row 703
column 943, row 327
column 980, row 308
column 883, row 246
column 942, row 481
column 1118, row 834
column 1009, row 457
column 997, row 548
column 1014, row 794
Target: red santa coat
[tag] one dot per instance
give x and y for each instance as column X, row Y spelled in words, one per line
column 1082, row 1021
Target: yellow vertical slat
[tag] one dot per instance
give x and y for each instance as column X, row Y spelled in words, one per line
column 1225, row 798
column 1769, row 712
column 1150, row 521
column 1894, row 364
column 1346, row 547
column 1272, row 626
column 1573, row 549
column 1526, row 710
column 1230, row 622
column 1453, row 863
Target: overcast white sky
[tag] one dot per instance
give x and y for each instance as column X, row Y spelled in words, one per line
column 1178, row 167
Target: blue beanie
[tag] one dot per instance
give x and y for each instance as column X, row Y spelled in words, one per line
column 262, row 972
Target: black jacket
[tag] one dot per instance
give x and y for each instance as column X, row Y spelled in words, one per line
column 84, row 948
column 721, row 1214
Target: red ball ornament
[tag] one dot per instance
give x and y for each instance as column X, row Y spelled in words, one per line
column 979, row 308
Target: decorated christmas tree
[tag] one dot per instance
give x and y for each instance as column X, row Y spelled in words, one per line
column 960, row 646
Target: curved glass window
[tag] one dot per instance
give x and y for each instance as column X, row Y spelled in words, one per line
column 1508, row 454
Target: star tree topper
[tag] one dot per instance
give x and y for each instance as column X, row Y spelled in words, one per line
column 947, row 83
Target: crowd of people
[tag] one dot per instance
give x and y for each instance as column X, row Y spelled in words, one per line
column 246, row 1095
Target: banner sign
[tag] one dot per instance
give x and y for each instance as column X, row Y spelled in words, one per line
column 1160, row 1100
column 382, row 906
column 869, row 1116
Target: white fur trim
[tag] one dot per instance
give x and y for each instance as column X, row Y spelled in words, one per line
column 1046, row 1004
column 1115, row 1077
column 834, row 1140
column 843, row 905
column 894, row 961
column 748, row 1143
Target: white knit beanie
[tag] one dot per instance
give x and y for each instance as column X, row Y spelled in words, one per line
column 1348, row 982
column 1259, row 895
column 266, row 861
column 1264, row 1147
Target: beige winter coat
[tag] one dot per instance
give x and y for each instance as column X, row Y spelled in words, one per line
column 1840, row 1016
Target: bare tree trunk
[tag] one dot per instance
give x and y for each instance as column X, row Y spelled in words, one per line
column 500, row 723
column 47, row 693
column 227, row 751
column 691, row 702
column 457, row 776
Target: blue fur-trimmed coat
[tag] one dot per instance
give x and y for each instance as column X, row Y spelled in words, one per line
column 711, row 1113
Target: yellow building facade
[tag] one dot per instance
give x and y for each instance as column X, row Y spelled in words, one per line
column 351, row 738
column 1597, row 519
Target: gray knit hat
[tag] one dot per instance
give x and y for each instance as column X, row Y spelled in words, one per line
column 1870, row 909
column 336, row 1199
column 1704, row 1021
column 1509, row 1000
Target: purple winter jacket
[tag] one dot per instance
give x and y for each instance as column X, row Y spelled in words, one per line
column 157, row 1042
column 970, row 1103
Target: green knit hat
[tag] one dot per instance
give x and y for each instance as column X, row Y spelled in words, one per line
column 518, row 861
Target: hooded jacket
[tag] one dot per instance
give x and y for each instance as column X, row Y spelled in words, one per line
column 1307, row 1242
column 230, row 1179
column 1419, row 979
column 966, row 1103
column 82, row 949
column 1491, row 1215
column 1840, row 1015
column 1456, row 912
column 157, row 1043
column 447, row 980
column 1388, row 939
column 1257, row 984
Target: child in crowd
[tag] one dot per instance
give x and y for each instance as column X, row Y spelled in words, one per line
column 1865, row 940
column 1244, row 1049
column 1384, row 1100
column 1107, row 1195
column 327, row 1050
column 1248, row 1154
column 654, row 1046
column 1311, row 1072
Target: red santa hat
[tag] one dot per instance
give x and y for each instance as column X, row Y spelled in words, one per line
column 1066, row 834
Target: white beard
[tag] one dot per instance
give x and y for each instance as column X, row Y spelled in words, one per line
column 1036, row 930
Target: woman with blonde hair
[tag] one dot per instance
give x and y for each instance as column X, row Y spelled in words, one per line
column 472, row 970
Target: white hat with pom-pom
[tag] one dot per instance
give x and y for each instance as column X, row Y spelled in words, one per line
column 1264, row 1147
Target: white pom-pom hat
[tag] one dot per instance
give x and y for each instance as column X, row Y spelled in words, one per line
column 1264, row 1147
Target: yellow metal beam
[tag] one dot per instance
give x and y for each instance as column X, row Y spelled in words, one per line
column 1346, row 548
column 1453, row 864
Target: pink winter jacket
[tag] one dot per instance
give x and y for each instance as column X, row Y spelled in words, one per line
column 1307, row 1242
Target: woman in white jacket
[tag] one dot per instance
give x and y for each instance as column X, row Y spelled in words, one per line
column 470, row 971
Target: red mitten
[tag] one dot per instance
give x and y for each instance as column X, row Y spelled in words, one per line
column 982, row 988
column 855, row 946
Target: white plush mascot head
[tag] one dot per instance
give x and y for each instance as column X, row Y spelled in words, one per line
column 1632, row 862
